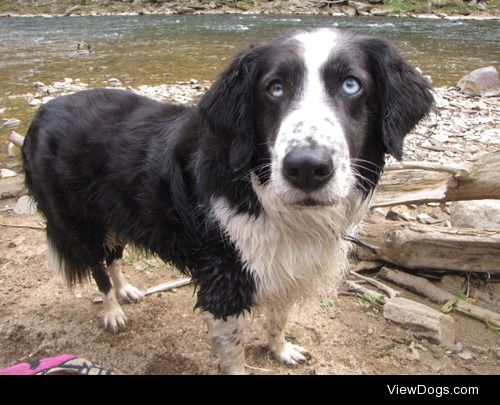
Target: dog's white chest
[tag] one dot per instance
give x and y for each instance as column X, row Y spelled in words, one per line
column 291, row 253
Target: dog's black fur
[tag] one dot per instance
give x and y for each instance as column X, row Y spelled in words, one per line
column 103, row 161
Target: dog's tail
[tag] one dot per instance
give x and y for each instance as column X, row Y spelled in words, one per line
column 67, row 258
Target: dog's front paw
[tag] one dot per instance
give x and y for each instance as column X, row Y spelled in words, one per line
column 114, row 320
column 292, row 355
column 128, row 294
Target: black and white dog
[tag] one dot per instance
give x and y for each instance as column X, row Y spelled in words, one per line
column 251, row 192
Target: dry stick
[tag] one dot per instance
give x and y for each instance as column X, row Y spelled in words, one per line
column 388, row 290
column 158, row 288
column 42, row 228
column 361, row 291
column 423, row 287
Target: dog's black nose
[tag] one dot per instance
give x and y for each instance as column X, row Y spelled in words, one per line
column 308, row 168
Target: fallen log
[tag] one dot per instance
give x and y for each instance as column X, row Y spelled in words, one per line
column 423, row 287
column 421, row 182
column 417, row 246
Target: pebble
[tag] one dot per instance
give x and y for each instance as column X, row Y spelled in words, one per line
column 465, row 355
column 25, row 206
column 6, row 173
column 10, row 123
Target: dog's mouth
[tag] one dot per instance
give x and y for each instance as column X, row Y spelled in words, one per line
column 310, row 202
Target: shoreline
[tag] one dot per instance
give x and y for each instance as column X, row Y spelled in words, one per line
column 356, row 10
column 394, row 15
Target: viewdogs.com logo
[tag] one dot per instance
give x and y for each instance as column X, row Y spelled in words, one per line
column 437, row 392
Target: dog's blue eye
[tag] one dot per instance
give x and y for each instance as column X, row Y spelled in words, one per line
column 351, row 86
column 276, row 89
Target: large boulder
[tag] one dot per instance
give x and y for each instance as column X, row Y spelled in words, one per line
column 481, row 82
column 479, row 214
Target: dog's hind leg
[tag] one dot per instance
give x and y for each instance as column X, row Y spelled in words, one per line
column 285, row 352
column 125, row 292
column 114, row 317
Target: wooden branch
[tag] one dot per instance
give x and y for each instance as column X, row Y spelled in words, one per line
column 385, row 288
column 168, row 286
column 417, row 246
column 39, row 228
column 423, row 287
column 413, row 182
column 361, row 291
column 158, row 288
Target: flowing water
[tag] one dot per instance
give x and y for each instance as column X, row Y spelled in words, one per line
column 163, row 49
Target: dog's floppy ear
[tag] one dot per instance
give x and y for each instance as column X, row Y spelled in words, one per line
column 228, row 107
column 403, row 94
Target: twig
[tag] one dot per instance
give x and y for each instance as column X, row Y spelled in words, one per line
column 385, row 288
column 42, row 228
column 266, row 370
column 168, row 286
column 376, row 297
column 158, row 288
column 438, row 295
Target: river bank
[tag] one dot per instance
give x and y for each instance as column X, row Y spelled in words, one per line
column 40, row 318
column 444, row 9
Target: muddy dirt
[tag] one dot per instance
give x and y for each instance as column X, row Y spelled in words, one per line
column 40, row 318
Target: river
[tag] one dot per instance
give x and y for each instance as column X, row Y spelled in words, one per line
column 167, row 48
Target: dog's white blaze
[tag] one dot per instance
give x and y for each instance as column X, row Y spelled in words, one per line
column 292, row 253
column 313, row 118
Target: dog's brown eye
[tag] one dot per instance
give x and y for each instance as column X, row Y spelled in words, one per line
column 276, row 89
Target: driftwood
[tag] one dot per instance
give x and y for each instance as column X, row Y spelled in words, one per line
column 423, row 287
column 407, row 183
column 417, row 246
column 158, row 288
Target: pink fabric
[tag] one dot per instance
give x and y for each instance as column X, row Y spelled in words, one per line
column 36, row 367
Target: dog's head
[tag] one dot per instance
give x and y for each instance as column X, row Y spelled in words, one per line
column 312, row 114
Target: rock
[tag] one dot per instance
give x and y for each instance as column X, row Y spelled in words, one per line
column 35, row 102
column 25, row 205
column 380, row 11
column 185, row 10
column 10, row 123
column 11, row 150
column 421, row 320
column 113, row 81
column 465, row 355
column 481, row 82
column 479, row 214
column 6, row 173
column 426, row 219
column 361, row 7
column 11, row 187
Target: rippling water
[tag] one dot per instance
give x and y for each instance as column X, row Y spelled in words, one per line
column 163, row 49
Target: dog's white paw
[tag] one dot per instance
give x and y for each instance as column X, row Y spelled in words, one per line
column 292, row 355
column 128, row 293
column 114, row 320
